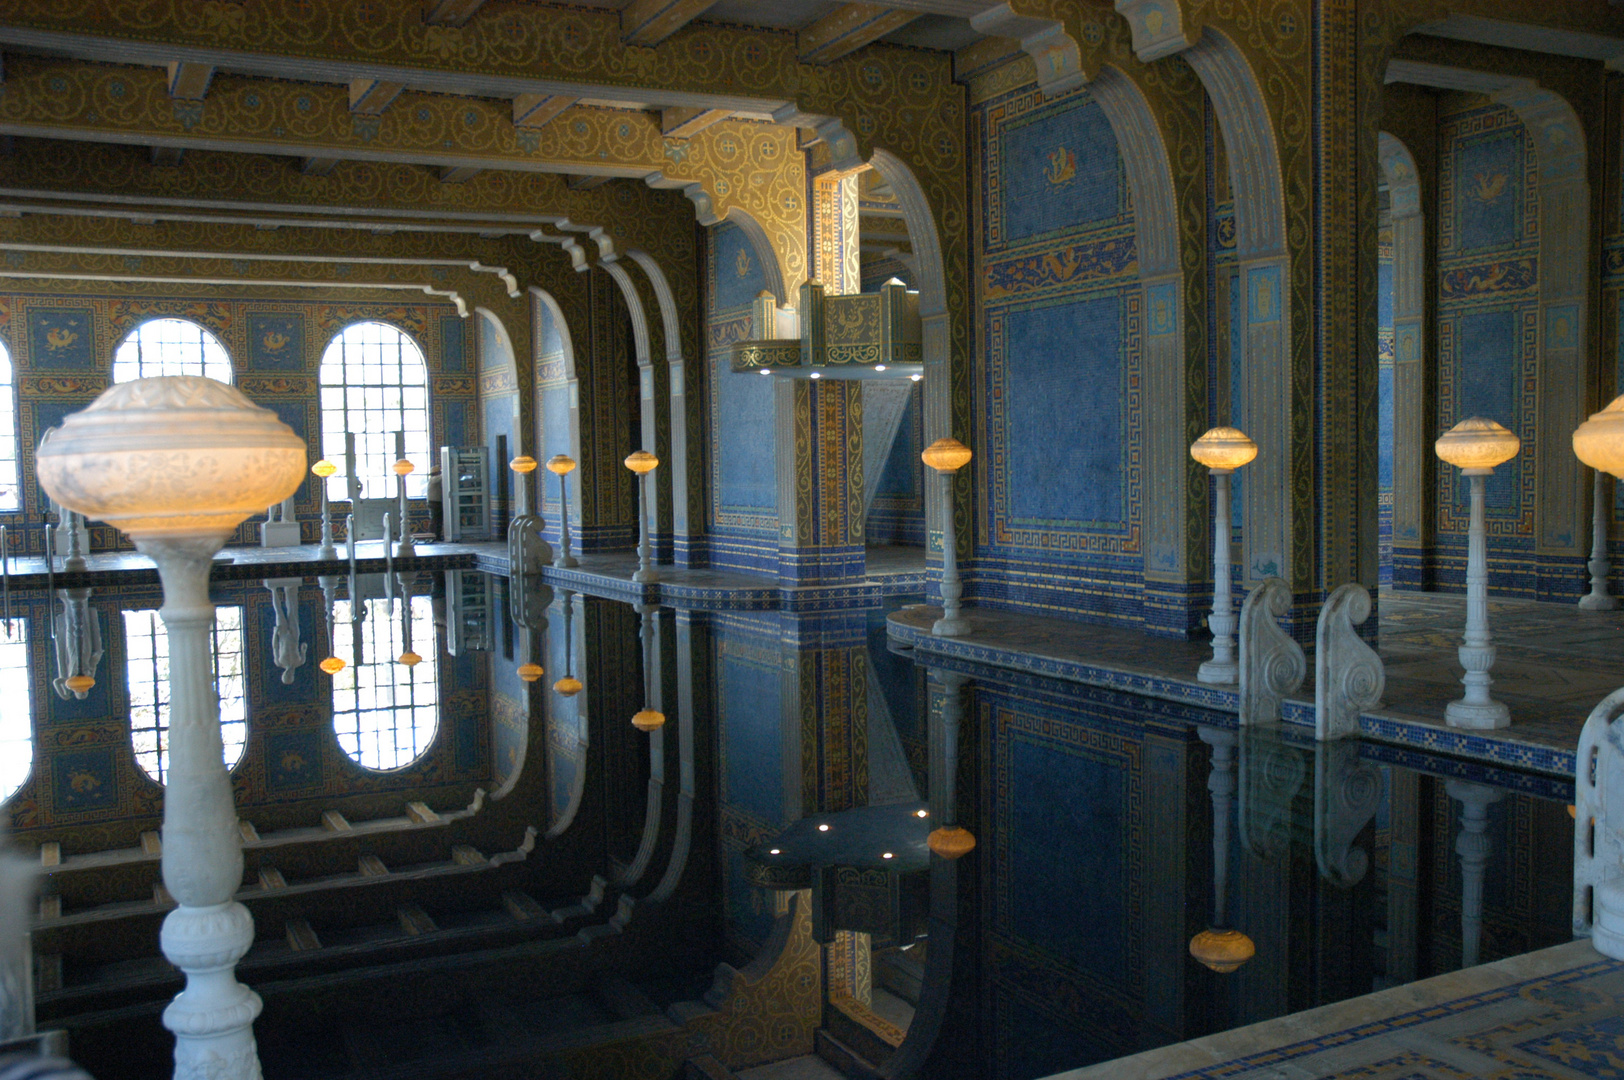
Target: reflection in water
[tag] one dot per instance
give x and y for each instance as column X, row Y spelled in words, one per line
column 146, row 662
column 16, row 719
column 385, row 709
column 787, row 820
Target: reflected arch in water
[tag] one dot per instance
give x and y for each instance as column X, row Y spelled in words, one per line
column 386, row 714
column 146, row 673
column 17, row 720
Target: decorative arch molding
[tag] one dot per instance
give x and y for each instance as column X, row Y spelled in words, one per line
column 568, row 392
column 677, row 372
column 1161, row 274
column 1265, row 411
column 1411, row 455
column 1566, row 267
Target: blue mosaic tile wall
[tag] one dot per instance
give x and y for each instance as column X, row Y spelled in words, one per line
column 743, row 527
column 1057, row 383
column 1488, row 308
column 898, row 513
column 1385, row 357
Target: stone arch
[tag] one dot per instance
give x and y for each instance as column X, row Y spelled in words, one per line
column 1565, row 327
column 763, row 245
column 1156, row 229
column 557, row 404
column 1265, row 271
column 676, row 363
column 1410, row 453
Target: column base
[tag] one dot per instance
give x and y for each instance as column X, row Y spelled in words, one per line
column 955, row 626
column 565, row 562
column 643, row 577
column 1482, row 716
column 1219, row 672
column 327, row 551
column 1607, row 918
column 405, row 550
column 1598, row 602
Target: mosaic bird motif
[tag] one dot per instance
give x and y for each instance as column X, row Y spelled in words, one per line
column 1489, row 186
column 274, row 341
column 1062, row 167
column 60, row 338
column 742, row 264
column 83, row 782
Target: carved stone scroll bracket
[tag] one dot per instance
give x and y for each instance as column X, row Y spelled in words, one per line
column 1598, row 829
column 1272, row 664
column 1272, row 771
column 1347, row 790
column 1348, row 675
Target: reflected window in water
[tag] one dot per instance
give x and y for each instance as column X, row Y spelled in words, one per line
column 17, row 719
column 146, row 664
column 385, row 713
column 170, row 347
column 374, row 383
column 9, row 499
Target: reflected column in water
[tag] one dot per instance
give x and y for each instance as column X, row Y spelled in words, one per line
column 287, row 651
column 1221, row 948
column 948, row 839
column 76, row 639
column 1474, row 848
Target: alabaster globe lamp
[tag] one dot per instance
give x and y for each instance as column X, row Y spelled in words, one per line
column 178, row 463
column 1476, row 446
column 1599, row 443
column 1222, row 450
column 648, row 720
column 642, row 463
column 323, row 469
column 947, row 456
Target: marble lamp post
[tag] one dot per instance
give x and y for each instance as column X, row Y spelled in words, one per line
column 561, row 465
column 947, row 456
column 1599, row 443
column 1476, row 446
column 1222, row 450
column 177, row 463
column 323, row 469
column 642, row 463
column 403, row 468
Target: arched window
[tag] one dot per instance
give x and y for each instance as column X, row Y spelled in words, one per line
column 17, row 718
column 385, row 713
column 146, row 663
column 10, row 491
column 374, row 383
column 170, row 347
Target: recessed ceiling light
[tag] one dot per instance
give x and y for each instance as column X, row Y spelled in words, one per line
column 823, row 828
column 774, row 851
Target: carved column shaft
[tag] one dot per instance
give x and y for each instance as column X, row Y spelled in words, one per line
column 1221, row 668
column 202, row 849
column 1598, row 598
column 1476, row 709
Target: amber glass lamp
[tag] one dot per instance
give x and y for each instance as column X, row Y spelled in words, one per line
column 568, row 686
column 530, row 671
column 1221, row 949
column 332, row 665
column 561, row 465
column 951, row 841
column 642, row 463
column 648, row 720
column 1599, row 443
column 323, row 469
column 947, row 456
column 1222, row 450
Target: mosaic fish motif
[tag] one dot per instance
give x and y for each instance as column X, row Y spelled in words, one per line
column 1062, row 167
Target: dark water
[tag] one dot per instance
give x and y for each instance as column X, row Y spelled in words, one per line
column 456, row 872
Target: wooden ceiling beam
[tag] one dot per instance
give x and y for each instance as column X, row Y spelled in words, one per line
column 190, row 82
column 847, row 29
column 684, row 123
column 451, row 12
column 536, row 110
column 649, row 22
column 370, row 97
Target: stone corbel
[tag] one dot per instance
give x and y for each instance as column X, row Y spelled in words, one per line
column 1272, row 664
column 1347, row 790
column 1348, row 675
column 1159, row 27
